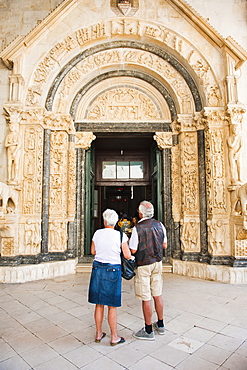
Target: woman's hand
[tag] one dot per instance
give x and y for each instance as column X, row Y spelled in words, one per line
column 93, row 251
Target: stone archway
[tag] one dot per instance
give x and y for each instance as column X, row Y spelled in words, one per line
column 190, row 131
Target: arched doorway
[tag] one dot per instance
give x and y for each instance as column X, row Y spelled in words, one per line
column 124, row 170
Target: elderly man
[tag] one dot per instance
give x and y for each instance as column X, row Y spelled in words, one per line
column 147, row 242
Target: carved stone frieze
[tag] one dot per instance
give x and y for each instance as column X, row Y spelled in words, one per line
column 84, row 139
column 125, row 26
column 122, row 104
column 145, row 107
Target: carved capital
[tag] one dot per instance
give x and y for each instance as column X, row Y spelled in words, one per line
column 214, row 117
column 13, row 113
column 163, row 139
column 186, row 122
column 84, row 139
column 235, row 113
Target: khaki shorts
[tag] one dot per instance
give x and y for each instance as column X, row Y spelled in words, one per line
column 149, row 281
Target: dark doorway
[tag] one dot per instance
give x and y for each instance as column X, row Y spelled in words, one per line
column 123, row 171
column 123, row 199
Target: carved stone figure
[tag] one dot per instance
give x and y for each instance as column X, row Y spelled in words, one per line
column 12, row 143
column 58, row 236
column 189, row 236
column 234, row 146
column 32, row 237
column 216, row 237
column 7, row 193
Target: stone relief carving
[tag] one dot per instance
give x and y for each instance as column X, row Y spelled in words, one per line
column 84, row 139
column 32, row 169
column 240, row 242
column 123, row 104
column 58, row 173
column 215, row 163
column 189, row 236
column 58, row 236
column 8, row 247
column 74, row 77
column 216, row 237
column 32, row 237
column 240, row 248
column 189, row 171
column 121, row 27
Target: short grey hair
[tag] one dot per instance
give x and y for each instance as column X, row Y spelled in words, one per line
column 110, row 217
column 146, row 208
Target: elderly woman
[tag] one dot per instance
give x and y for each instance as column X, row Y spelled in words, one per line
column 106, row 280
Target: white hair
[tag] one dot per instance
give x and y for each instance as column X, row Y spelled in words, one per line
column 110, row 217
column 146, row 208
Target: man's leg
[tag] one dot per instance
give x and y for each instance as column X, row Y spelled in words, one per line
column 147, row 312
column 159, row 307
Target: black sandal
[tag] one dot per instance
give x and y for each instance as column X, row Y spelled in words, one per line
column 99, row 340
column 122, row 340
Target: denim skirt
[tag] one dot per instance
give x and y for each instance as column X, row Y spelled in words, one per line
column 105, row 284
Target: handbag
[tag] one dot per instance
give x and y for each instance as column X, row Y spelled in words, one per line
column 128, row 266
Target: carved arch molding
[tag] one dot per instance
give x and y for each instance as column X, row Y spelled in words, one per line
column 74, row 72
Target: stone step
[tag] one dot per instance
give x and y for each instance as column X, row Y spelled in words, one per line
column 87, row 266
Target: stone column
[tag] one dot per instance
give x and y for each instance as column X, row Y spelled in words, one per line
column 176, row 190
column 45, row 192
column 164, row 143
column 83, row 142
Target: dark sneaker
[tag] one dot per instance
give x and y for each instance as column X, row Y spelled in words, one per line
column 160, row 330
column 142, row 334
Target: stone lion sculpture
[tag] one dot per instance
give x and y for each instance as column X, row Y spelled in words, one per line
column 241, row 200
column 7, row 193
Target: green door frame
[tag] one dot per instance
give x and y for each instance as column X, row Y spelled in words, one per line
column 89, row 198
column 156, row 181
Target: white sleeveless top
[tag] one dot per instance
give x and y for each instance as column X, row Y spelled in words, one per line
column 107, row 245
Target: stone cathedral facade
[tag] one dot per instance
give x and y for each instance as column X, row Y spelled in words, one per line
column 106, row 106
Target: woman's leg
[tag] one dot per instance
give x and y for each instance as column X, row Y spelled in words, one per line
column 112, row 320
column 98, row 317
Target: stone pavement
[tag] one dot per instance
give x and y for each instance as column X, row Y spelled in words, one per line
column 48, row 325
